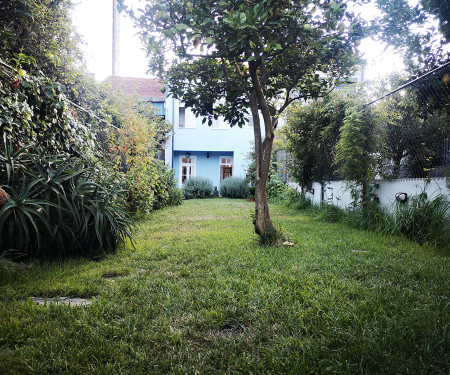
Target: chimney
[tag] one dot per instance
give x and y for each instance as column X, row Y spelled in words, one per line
column 115, row 40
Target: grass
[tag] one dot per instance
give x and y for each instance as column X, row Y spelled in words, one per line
column 199, row 296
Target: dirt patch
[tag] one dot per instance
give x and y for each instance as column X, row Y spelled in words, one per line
column 228, row 331
column 112, row 275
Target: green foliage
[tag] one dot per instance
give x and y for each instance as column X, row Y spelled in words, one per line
column 275, row 186
column 34, row 109
column 317, row 307
column 149, row 187
column 353, row 151
column 175, row 197
column 231, row 58
column 39, row 36
column 73, row 174
column 410, row 137
column 198, row 187
column 330, row 213
column 426, row 221
column 165, row 189
column 234, row 187
column 294, row 198
column 419, row 30
column 311, row 136
column 251, row 192
column 59, row 206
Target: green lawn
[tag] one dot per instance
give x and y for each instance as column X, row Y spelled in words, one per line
column 199, row 296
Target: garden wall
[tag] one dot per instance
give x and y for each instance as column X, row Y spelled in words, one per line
column 338, row 192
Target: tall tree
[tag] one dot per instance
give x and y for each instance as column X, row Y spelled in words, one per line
column 233, row 57
column 419, row 30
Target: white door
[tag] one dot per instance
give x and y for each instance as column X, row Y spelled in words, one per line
column 187, row 168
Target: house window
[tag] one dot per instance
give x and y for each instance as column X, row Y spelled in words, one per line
column 181, row 117
column 186, row 118
column 187, row 169
column 226, row 167
column 220, row 123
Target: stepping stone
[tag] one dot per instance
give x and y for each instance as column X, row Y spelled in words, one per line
column 72, row 302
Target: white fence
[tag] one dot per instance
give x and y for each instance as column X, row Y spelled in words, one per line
column 338, row 192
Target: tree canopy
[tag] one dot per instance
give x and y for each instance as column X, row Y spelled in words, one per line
column 231, row 57
column 420, row 31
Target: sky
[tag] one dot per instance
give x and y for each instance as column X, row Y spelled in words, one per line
column 93, row 20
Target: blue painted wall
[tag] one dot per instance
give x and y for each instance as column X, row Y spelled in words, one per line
column 202, row 139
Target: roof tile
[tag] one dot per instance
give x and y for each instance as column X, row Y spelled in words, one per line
column 143, row 87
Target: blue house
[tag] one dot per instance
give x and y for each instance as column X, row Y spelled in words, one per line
column 195, row 149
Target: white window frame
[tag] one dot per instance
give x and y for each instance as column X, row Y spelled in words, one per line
column 192, row 164
column 224, row 164
column 220, row 124
column 189, row 118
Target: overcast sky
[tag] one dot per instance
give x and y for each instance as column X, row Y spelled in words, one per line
column 93, row 19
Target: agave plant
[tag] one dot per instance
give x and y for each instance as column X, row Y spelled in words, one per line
column 101, row 222
column 12, row 162
column 24, row 221
column 59, row 207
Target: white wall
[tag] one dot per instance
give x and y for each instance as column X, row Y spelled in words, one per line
column 338, row 192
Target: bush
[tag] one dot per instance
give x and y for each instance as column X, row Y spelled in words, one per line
column 275, row 186
column 425, row 221
column 175, row 197
column 372, row 217
column 166, row 192
column 234, row 187
column 331, row 213
column 59, row 206
column 198, row 187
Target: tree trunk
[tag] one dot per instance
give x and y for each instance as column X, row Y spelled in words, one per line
column 262, row 222
column 263, row 152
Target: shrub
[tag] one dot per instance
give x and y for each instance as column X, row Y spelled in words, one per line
column 425, row 221
column 275, row 186
column 175, row 197
column 331, row 213
column 198, row 187
column 166, row 192
column 296, row 198
column 372, row 217
column 234, row 187
column 58, row 206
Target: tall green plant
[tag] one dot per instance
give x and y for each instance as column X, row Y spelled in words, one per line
column 60, row 206
column 426, row 221
column 353, row 151
column 311, row 136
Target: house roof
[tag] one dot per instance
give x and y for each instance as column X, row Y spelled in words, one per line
column 145, row 88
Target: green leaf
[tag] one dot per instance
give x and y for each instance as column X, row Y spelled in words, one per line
column 181, row 26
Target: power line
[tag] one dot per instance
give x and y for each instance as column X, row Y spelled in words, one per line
column 409, row 84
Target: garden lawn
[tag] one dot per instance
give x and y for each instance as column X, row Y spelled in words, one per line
column 199, row 296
